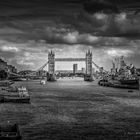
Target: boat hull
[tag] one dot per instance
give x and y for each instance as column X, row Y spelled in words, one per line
column 15, row 100
column 127, row 84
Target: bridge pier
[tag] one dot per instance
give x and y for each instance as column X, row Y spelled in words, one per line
column 51, row 77
column 88, row 78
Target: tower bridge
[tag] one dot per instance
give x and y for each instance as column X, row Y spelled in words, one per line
column 88, row 76
column 51, row 65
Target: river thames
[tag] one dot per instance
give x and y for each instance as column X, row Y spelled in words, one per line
column 72, row 109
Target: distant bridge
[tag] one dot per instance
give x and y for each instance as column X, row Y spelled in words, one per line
column 69, row 59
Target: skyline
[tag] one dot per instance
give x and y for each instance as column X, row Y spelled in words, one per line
column 30, row 29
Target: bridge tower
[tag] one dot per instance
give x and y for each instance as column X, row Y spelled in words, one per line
column 51, row 67
column 88, row 74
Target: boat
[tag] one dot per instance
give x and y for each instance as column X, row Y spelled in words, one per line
column 43, row 82
column 21, row 97
column 10, row 132
column 125, row 77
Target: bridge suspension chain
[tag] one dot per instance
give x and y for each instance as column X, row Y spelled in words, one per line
column 98, row 67
column 41, row 68
column 15, row 74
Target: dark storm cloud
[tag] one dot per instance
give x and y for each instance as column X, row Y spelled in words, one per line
column 25, row 14
column 29, row 29
column 111, row 6
column 121, row 23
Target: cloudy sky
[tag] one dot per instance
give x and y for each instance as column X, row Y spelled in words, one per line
column 29, row 29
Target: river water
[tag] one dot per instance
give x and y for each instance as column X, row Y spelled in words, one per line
column 71, row 109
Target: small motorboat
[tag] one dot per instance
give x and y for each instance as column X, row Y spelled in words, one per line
column 43, row 82
column 10, row 132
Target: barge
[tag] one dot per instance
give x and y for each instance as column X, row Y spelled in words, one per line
column 21, row 97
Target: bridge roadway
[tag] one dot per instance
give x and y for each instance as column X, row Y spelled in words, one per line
column 70, row 59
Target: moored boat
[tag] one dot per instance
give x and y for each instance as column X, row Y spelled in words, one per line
column 21, row 97
column 124, row 77
column 10, row 132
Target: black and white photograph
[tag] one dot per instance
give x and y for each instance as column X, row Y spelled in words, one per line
column 69, row 69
